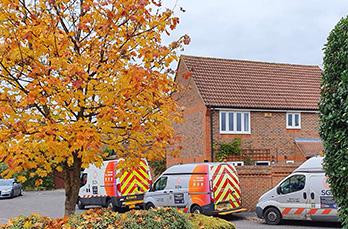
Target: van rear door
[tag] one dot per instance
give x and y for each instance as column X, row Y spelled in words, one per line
column 225, row 187
column 323, row 205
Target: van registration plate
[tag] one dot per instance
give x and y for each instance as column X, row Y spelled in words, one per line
column 223, row 206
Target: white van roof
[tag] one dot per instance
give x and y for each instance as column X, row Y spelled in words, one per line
column 188, row 168
column 314, row 164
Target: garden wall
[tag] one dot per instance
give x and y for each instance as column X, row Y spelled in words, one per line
column 256, row 180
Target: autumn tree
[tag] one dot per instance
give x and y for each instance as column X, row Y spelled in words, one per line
column 80, row 75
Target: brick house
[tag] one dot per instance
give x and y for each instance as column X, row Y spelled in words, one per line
column 271, row 107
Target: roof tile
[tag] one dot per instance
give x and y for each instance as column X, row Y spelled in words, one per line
column 252, row 84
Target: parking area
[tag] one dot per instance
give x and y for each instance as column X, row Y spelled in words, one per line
column 51, row 203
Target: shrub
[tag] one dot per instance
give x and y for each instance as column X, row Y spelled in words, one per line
column 158, row 166
column 202, row 221
column 166, row 218
column 334, row 115
column 224, row 150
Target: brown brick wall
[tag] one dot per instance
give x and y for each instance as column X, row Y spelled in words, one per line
column 256, row 180
column 193, row 130
column 271, row 133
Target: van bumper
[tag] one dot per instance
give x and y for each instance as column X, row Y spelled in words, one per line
column 259, row 212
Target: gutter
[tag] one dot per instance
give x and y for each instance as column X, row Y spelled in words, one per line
column 211, row 133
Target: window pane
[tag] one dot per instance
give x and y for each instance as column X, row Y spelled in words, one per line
column 293, row 184
column 223, row 121
column 297, row 120
column 289, row 119
column 161, row 184
column 239, row 121
column 230, row 121
column 246, row 121
column 285, row 187
column 297, row 183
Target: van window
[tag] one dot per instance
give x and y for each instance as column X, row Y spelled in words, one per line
column 293, row 184
column 83, row 180
column 160, row 184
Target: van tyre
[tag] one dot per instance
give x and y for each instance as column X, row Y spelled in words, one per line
column 196, row 209
column 80, row 205
column 149, row 206
column 272, row 216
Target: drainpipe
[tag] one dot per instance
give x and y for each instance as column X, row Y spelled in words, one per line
column 211, row 134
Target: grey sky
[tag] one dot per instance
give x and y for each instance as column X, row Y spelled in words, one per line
column 290, row 31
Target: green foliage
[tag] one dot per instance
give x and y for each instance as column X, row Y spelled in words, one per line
column 29, row 184
column 157, row 218
column 158, row 166
column 167, row 218
column 249, row 161
column 3, row 167
column 226, row 149
column 334, row 115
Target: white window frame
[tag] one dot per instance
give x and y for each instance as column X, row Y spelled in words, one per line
column 227, row 131
column 237, row 163
column 293, row 120
column 262, row 163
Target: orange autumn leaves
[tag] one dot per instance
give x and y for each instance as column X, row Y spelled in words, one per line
column 79, row 76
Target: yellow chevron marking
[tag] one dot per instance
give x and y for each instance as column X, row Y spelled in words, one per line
column 229, row 197
column 140, row 178
column 144, row 173
column 124, row 175
column 125, row 183
column 226, row 177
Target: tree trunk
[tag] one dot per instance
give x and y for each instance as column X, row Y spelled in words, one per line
column 72, row 185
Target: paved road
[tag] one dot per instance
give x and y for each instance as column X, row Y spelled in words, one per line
column 250, row 220
column 51, row 203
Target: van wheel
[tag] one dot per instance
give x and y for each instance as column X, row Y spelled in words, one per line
column 80, row 205
column 196, row 209
column 272, row 216
column 149, row 206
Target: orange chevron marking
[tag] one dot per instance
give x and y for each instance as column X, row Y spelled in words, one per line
column 299, row 211
column 326, row 211
column 286, row 211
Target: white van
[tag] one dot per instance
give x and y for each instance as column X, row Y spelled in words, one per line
column 107, row 186
column 303, row 195
column 208, row 188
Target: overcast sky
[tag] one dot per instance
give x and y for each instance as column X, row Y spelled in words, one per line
column 286, row 31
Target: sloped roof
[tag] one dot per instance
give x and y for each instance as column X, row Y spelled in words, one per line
column 252, row 84
column 309, row 147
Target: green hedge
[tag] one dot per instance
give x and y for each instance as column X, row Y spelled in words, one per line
column 334, row 115
column 165, row 218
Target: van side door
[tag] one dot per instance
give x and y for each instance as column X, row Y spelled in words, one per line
column 292, row 197
column 180, row 193
column 160, row 195
column 322, row 204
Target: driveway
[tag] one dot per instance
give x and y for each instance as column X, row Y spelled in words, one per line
column 51, row 203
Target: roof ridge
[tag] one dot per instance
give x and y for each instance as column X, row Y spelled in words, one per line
column 250, row 61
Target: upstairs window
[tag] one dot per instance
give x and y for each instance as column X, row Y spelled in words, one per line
column 234, row 122
column 293, row 120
